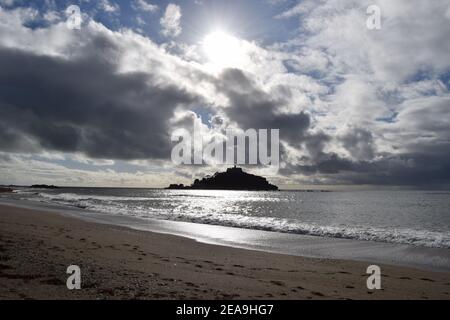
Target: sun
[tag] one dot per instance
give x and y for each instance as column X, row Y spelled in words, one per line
column 223, row 50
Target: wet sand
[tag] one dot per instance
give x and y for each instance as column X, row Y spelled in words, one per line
column 36, row 247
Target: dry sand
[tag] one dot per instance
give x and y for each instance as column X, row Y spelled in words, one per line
column 36, row 248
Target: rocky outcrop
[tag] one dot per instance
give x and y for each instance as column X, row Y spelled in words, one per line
column 233, row 179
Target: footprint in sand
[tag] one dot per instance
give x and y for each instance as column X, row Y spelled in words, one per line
column 5, row 267
column 190, row 284
column 278, row 283
column 53, row 282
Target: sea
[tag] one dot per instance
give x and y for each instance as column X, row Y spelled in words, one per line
column 415, row 218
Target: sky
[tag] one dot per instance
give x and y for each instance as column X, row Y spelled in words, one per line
column 356, row 107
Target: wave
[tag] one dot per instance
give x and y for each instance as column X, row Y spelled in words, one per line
column 414, row 237
column 161, row 206
column 72, row 197
column 122, row 206
column 165, row 197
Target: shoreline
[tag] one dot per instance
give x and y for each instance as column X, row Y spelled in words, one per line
column 36, row 247
column 310, row 246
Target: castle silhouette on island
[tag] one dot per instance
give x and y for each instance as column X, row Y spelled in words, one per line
column 233, row 179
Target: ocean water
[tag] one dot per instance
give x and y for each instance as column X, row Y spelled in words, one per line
column 420, row 218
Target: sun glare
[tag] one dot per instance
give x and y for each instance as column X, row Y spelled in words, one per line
column 223, row 50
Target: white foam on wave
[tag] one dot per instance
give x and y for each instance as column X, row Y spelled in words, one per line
column 72, row 197
column 137, row 207
column 424, row 238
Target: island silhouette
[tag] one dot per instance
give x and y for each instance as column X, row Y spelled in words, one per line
column 233, row 179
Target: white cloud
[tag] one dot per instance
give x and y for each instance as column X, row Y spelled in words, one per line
column 145, row 6
column 21, row 169
column 171, row 21
column 109, row 6
column 414, row 36
column 7, row 3
column 52, row 16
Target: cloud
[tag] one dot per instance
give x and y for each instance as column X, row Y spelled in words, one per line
column 144, row 6
column 52, row 16
column 250, row 107
column 17, row 168
column 91, row 100
column 353, row 106
column 387, row 54
column 7, row 3
column 383, row 116
column 171, row 20
column 85, row 106
column 109, row 6
column 359, row 143
column 297, row 10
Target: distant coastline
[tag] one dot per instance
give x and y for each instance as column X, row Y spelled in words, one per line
column 6, row 188
column 43, row 186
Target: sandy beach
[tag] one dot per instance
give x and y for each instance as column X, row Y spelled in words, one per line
column 36, row 247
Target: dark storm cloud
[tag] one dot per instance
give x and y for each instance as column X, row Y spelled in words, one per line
column 359, row 142
column 407, row 169
column 403, row 170
column 84, row 105
column 12, row 140
column 252, row 108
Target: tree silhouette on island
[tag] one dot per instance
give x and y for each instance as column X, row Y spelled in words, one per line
column 233, row 179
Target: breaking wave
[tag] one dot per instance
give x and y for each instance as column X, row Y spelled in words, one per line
column 160, row 206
